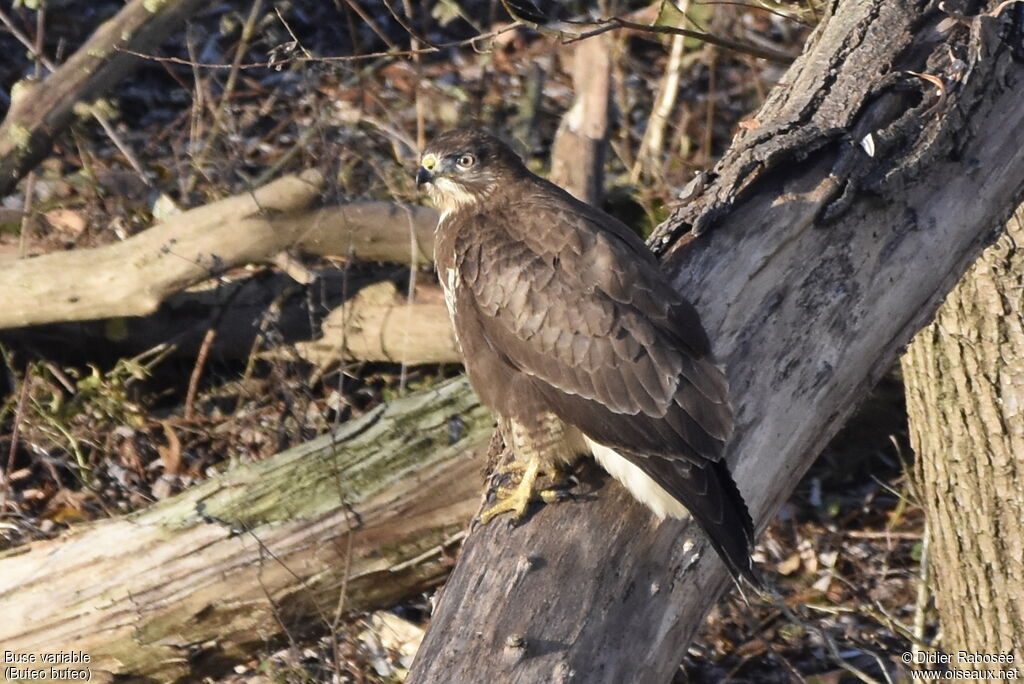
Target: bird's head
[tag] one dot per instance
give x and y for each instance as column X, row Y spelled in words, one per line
column 463, row 167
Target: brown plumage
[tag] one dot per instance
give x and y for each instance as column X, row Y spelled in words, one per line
column 566, row 320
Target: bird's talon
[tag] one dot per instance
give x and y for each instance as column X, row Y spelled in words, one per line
column 554, row 495
column 513, row 503
column 515, row 500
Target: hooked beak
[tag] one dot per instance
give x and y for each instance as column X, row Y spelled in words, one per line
column 423, row 176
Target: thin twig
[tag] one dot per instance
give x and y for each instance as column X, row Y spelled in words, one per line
column 921, row 604
column 288, row 28
column 830, row 643
column 653, row 140
column 121, row 145
column 709, row 113
column 341, row 58
column 755, row 7
column 27, row 220
column 758, row 632
column 409, row 28
column 197, row 371
column 196, row 120
column 615, row 23
column 421, row 139
column 339, row 609
column 368, row 20
column 410, row 295
column 18, row 413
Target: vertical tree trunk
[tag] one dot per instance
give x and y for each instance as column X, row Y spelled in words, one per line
column 965, row 397
column 580, row 147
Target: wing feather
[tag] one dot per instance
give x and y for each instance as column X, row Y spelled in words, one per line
column 577, row 303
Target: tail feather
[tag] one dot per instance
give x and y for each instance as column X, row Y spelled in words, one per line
column 710, row 494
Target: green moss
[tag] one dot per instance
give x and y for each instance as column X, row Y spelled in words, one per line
column 21, row 136
column 21, row 88
column 348, row 467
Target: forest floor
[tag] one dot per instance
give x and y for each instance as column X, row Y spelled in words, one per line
column 96, row 432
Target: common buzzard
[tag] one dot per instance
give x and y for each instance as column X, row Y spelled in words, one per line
column 574, row 337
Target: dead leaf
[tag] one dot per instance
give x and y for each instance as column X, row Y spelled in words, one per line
column 164, row 208
column 130, row 456
column 170, row 455
column 67, row 506
column 163, row 487
column 67, row 220
column 789, row 566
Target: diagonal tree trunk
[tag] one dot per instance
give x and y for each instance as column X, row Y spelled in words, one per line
column 964, row 375
column 839, row 224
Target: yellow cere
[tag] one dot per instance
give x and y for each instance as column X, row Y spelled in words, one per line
column 428, row 162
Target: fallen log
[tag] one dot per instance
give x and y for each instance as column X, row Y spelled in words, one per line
column 351, row 521
column 133, row 277
column 376, row 323
column 371, row 231
column 379, row 325
column 831, row 231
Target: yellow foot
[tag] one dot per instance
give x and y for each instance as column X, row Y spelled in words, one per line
column 515, row 500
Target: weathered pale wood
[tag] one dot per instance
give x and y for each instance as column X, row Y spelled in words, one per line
column 132, row 278
column 964, row 376
column 41, row 111
column 379, row 325
column 371, row 231
column 805, row 315
column 376, row 323
column 348, row 522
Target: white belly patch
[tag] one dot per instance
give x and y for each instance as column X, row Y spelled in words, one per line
column 639, row 483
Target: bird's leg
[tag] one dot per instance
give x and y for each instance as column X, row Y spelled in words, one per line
column 517, row 499
column 530, row 454
column 562, row 480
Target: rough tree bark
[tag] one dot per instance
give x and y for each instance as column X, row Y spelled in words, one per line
column 964, row 377
column 353, row 521
column 838, row 224
column 39, row 112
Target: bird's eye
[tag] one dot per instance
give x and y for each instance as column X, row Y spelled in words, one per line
column 465, row 161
